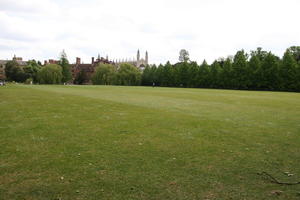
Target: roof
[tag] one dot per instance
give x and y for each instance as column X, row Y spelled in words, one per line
column 20, row 62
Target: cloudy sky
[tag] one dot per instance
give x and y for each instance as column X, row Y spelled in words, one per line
column 208, row 29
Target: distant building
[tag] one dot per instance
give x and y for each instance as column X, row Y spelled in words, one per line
column 89, row 69
column 19, row 60
column 51, row 61
column 138, row 62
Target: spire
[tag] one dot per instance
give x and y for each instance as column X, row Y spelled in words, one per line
column 138, row 55
column 106, row 57
column 98, row 56
column 146, row 57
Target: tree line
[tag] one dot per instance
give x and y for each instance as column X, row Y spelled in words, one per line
column 34, row 72
column 259, row 70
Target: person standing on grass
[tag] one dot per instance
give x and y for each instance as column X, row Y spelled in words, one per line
column 153, row 84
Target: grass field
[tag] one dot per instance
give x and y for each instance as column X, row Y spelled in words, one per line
column 108, row 142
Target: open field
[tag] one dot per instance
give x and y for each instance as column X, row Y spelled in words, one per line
column 108, row 142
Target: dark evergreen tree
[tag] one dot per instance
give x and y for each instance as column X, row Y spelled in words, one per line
column 66, row 69
column 268, row 73
column 288, row 72
column 240, row 76
column 193, row 72
column 203, row 75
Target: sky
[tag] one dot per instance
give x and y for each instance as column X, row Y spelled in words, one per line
column 207, row 29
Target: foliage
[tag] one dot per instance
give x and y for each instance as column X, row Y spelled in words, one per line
column 50, row 74
column 15, row 72
column 259, row 70
column 105, row 74
column 66, row 69
column 128, row 74
column 31, row 69
column 29, row 81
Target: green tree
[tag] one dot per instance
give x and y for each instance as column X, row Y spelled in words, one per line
column 50, row 74
column 14, row 72
column 31, row 70
column 167, row 79
column 105, row 74
column 240, row 76
column 193, row 72
column 128, row 75
column 215, row 75
column 226, row 75
column 66, row 69
column 152, row 75
column 146, row 79
column 288, row 72
column 204, row 75
column 268, row 73
column 295, row 51
column 254, row 67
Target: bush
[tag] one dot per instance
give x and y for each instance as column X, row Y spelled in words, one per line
column 29, row 81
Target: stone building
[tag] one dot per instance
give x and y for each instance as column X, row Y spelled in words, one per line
column 138, row 62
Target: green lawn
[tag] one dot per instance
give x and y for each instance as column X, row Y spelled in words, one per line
column 108, row 142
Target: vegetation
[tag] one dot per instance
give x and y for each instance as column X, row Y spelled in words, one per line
column 50, row 74
column 66, row 70
column 260, row 70
column 99, row 142
column 14, row 72
column 32, row 70
column 126, row 74
column 105, row 74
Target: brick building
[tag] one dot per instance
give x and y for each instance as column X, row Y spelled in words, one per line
column 88, row 69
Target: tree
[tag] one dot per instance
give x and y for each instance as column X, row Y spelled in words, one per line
column 268, row 73
column 105, row 75
column 167, row 79
column 288, row 72
column 14, row 72
column 203, row 76
column 193, row 71
column 226, row 75
column 159, row 75
column 66, row 70
column 128, row 75
column 31, row 70
column 240, row 76
column 184, row 55
column 295, row 51
column 50, row 74
column 146, row 76
column 215, row 75
column 254, row 67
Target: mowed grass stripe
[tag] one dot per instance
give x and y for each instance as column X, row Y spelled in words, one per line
column 106, row 145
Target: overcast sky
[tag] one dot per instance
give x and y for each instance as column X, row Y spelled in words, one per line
column 208, row 29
